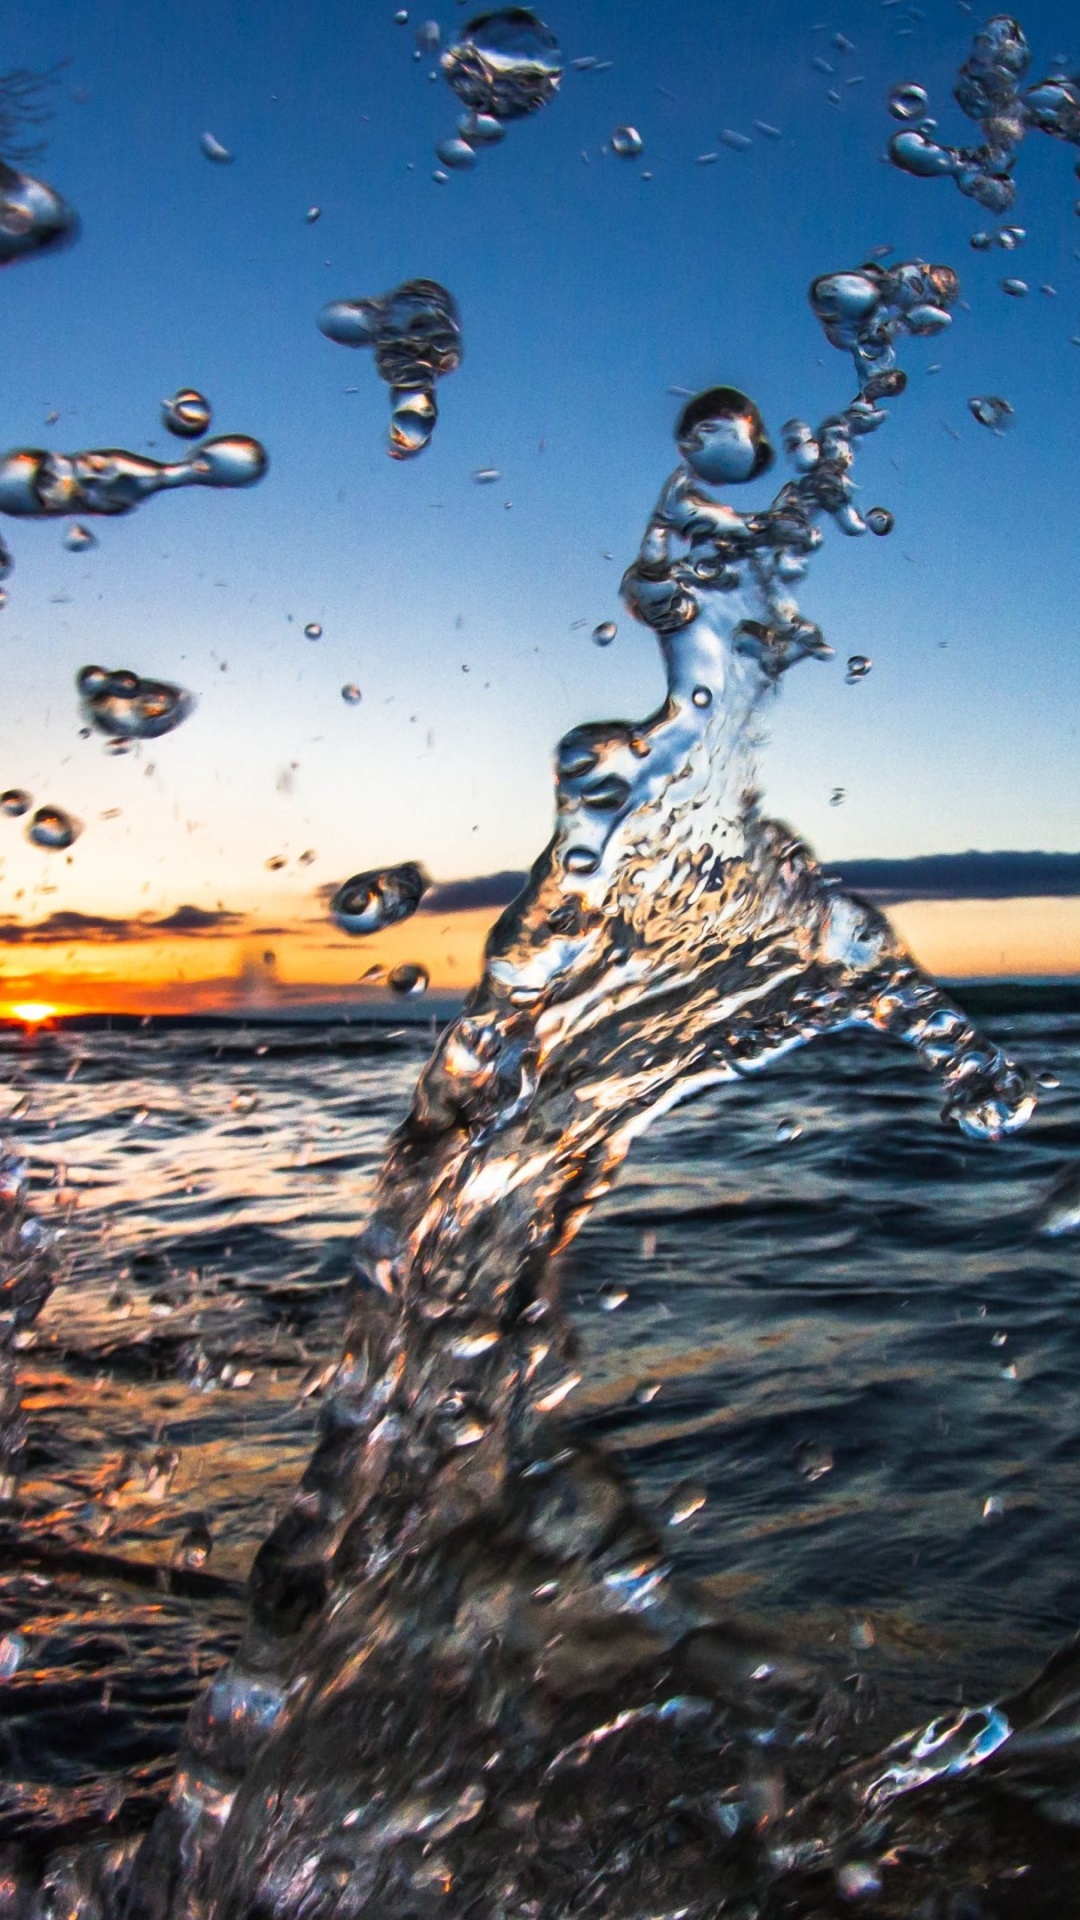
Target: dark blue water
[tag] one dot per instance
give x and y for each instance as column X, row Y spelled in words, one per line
column 850, row 1342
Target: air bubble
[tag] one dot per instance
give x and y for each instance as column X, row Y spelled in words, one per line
column 627, row 143
column 53, row 829
column 187, row 414
column 371, row 901
column 604, row 634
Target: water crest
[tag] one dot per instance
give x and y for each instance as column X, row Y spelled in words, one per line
column 415, row 335
column 990, row 89
column 125, row 707
column 37, row 485
column 470, row 1682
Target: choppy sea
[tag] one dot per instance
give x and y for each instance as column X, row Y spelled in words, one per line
column 816, row 1328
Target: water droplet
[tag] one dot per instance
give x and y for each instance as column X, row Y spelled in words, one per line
column 722, row 437
column 313, row 214
column 351, row 694
column 991, row 411
column 456, row 153
column 858, row 666
column 415, row 334
column 187, row 414
column 506, row 64
column 1017, row 288
column 126, row 707
column 1048, row 1081
column 908, row 102
column 627, row 143
column 862, row 1635
column 481, row 129
column 837, row 797
column 611, row 1298
column 1060, row 1210
column 35, row 485
column 1010, row 238
column 486, row 476
column 813, row 1460
column 33, row 218
column 195, row 1547
column 427, row 37
column 214, row 150
column 683, row 1502
column 993, row 1507
column 408, row 980
column 313, row 631
column 858, row 1880
column 12, row 1654
column 738, row 142
column 14, row 802
column 879, row 520
column 646, row 1392
column 604, row 634
column 786, row 1132
column 53, row 829
column 77, row 539
column 401, row 17
column 370, row 901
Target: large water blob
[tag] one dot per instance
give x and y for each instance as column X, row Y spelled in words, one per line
column 415, row 335
column 989, row 88
column 469, row 1683
column 125, row 707
column 505, row 66
column 34, row 218
column 37, row 485
column 381, row 898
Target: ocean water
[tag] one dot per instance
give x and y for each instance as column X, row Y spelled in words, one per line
column 842, row 1377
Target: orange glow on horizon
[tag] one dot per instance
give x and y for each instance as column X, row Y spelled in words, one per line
column 32, row 1013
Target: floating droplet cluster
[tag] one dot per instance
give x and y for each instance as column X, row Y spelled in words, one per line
column 505, row 66
column 125, row 707
column 35, row 484
column 415, row 335
column 989, row 88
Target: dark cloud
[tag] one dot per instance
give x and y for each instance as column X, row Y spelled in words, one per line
column 64, row 927
column 964, row 876
column 486, row 890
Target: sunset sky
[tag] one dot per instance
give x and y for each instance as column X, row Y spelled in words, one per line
column 464, row 612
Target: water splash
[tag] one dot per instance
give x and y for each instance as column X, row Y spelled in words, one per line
column 37, row 485
column 125, row 707
column 415, row 334
column 469, row 1682
column 989, row 88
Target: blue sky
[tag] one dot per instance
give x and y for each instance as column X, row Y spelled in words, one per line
column 586, row 291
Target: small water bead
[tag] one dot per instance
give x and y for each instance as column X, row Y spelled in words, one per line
column 312, row 214
column 381, row 898
column 627, row 143
column 721, row 436
column 506, row 64
column 993, row 1507
column 481, row 129
column 35, row 484
column 1017, row 288
column 813, row 1460
column 990, row 410
column 214, row 150
column 858, row 666
column 786, row 1132
column 1060, row 1210
column 409, row 980
column 1010, row 238
column 14, row 802
column 683, row 1503
column 456, row 153
column 837, row 797
column 351, row 694
column 53, row 829
column 604, row 634
column 610, row 1299
column 33, row 217
column 195, row 1547
column 908, row 102
column 78, row 539
column 6, row 562
column 486, row 476
column 401, row 17
column 702, row 697
column 125, row 707
column 879, row 520
column 188, row 414
column 428, row 37
column 646, row 1392
column 313, row 631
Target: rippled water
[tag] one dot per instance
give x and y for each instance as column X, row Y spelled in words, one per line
column 831, row 1322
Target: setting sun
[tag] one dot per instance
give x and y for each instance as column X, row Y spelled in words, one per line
column 32, row 1012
